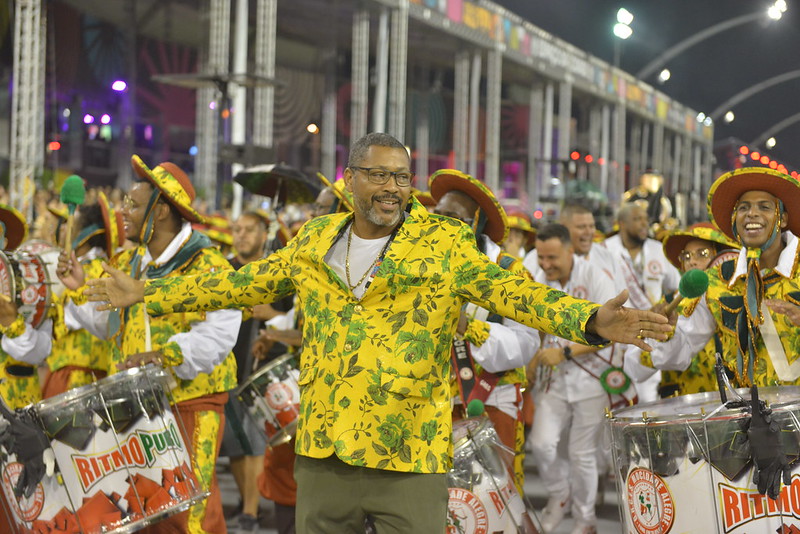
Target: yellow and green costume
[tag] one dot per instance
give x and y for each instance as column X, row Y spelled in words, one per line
column 375, row 372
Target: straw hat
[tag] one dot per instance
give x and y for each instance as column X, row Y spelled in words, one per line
column 676, row 241
column 446, row 180
column 14, row 227
column 173, row 184
column 725, row 193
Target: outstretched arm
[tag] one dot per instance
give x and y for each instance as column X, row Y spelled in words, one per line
column 617, row 323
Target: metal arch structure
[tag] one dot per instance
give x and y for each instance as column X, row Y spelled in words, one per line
column 27, row 127
column 677, row 49
column 743, row 95
column 775, row 128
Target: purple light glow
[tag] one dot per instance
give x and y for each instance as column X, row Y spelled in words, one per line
column 88, row 119
column 119, row 85
column 105, row 119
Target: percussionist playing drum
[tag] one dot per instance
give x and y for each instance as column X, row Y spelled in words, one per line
column 195, row 347
column 19, row 381
column 758, row 208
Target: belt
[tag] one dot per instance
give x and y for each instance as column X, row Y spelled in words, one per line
column 20, row 370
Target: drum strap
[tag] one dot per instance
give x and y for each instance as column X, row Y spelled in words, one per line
column 470, row 386
column 636, row 291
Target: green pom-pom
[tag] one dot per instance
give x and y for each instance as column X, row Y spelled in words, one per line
column 73, row 192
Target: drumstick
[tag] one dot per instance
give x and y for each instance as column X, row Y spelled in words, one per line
column 73, row 193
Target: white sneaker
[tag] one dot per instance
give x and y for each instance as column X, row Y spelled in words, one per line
column 554, row 513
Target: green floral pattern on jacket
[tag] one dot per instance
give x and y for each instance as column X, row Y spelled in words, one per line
column 725, row 303
column 131, row 337
column 374, row 373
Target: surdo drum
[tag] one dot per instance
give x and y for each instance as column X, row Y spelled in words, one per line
column 272, row 398
column 121, row 462
column 483, row 497
column 684, row 465
column 29, row 279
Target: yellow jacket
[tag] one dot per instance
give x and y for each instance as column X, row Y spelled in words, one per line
column 374, row 373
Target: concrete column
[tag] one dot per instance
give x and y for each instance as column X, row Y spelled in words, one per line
column 359, row 75
column 564, row 125
column 474, row 112
column 461, row 110
column 535, row 165
column 398, row 68
column 494, row 80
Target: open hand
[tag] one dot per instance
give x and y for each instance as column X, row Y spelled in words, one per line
column 786, row 308
column 617, row 323
column 8, row 310
column 118, row 290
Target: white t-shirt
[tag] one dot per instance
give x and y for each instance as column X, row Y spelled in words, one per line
column 363, row 255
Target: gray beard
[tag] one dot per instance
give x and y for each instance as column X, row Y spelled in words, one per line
column 368, row 210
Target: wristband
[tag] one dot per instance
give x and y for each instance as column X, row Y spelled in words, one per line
column 567, row 352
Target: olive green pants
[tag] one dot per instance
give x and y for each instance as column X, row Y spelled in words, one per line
column 336, row 497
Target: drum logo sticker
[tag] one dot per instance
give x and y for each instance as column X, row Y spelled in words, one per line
column 650, row 503
column 745, row 505
column 279, row 396
column 466, row 513
column 139, row 450
column 29, row 508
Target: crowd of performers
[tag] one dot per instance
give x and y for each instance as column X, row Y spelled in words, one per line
column 401, row 308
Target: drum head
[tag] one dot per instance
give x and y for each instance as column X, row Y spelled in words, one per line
column 693, row 406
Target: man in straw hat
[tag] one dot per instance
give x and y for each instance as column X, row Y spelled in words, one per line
column 489, row 353
column 194, row 346
column 381, row 290
column 521, row 235
column 757, row 208
column 19, row 381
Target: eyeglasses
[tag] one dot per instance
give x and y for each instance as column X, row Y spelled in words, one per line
column 379, row 176
column 129, row 204
column 700, row 254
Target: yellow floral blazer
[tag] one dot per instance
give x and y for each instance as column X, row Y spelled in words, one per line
column 374, row 373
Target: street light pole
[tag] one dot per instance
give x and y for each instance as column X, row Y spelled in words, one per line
column 622, row 30
column 775, row 11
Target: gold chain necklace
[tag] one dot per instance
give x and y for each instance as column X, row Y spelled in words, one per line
column 347, row 260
